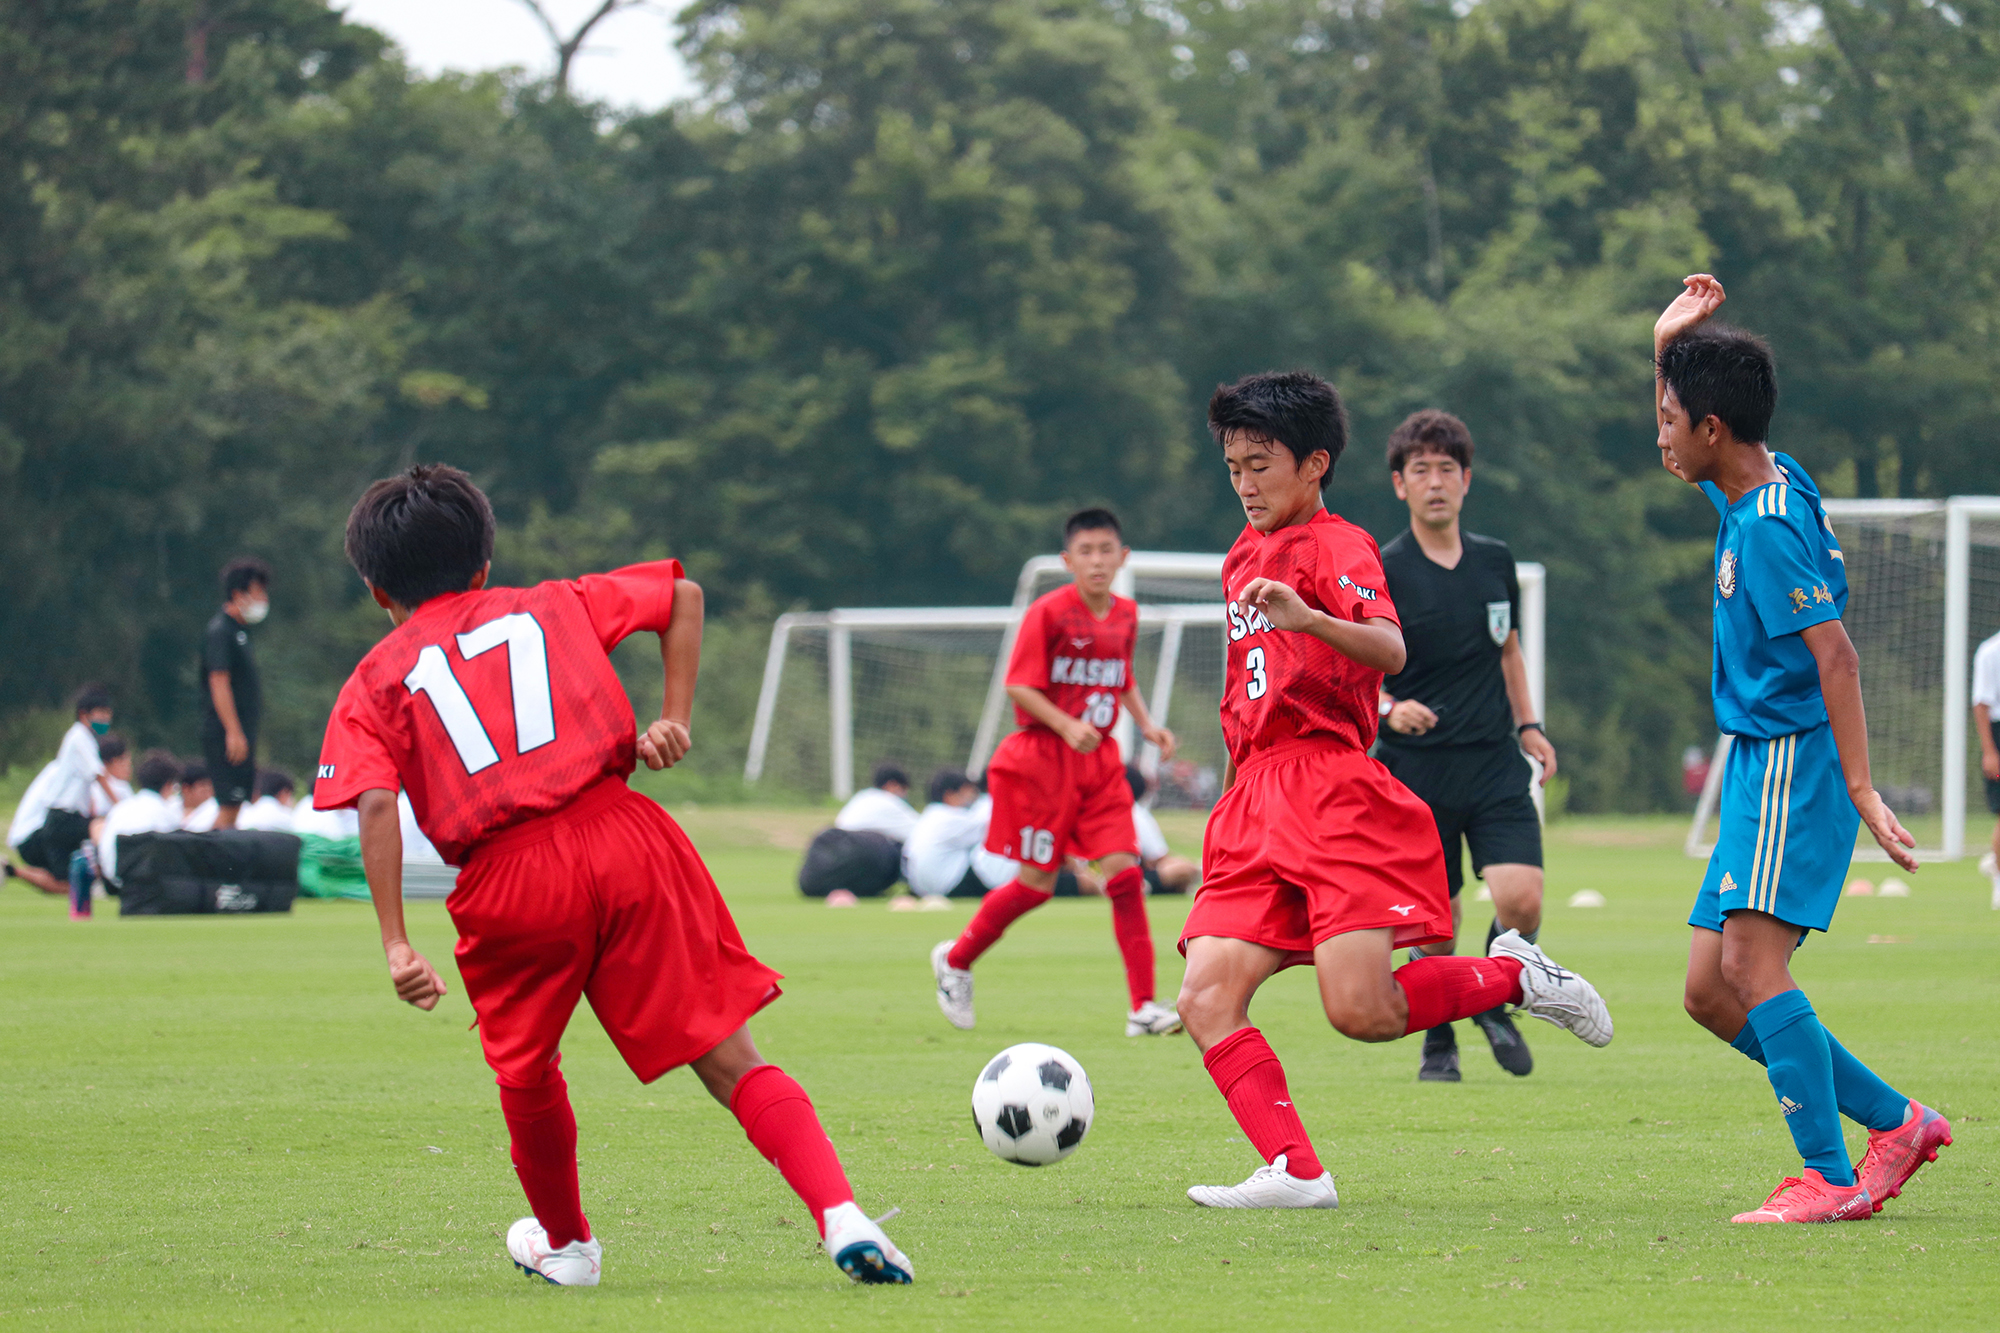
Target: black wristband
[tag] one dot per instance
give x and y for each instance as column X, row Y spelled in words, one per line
column 1531, row 726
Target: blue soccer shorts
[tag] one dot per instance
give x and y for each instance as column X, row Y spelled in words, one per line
column 1786, row 836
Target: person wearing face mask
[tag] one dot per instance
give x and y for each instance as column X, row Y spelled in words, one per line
column 232, row 700
column 54, row 815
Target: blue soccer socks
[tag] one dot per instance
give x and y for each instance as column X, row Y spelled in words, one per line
column 1799, row 1060
column 1863, row 1096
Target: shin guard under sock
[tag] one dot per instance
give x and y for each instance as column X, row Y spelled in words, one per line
column 781, row 1123
column 541, row 1128
column 1252, row 1081
column 1861, row 1093
column 1800, row 1065
column 1127, row 891
column 1444, row 987
column 997, row 911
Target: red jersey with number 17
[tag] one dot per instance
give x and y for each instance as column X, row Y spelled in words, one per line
column 1080, row 662
column 496, row 706
column 1281, row 685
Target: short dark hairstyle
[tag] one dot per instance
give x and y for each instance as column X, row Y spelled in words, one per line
column 888, row 773
column 1294, row 408
column 245, row 571
column 156, row 771
column 421, row 534
column 196, row 771
column 1136, row 781
column 1718, row 371
column 111, row 746
column 1092, row 520
column 91, row 698
column 946, row 781
column 273, row 782
column 1430, row 431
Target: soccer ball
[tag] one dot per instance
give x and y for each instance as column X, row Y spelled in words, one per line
column 1032, row 1104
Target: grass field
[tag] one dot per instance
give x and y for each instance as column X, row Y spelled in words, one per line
column 230, row 1123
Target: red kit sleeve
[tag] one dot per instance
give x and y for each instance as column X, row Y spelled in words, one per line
column 354, row 757
column 1029, row 663
column 629, row 600
column 1349, row 579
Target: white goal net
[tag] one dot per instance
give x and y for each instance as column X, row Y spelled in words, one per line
column 1923, row 590
column 923, row 687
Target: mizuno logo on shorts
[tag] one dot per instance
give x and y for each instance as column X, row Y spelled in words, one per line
column 1404, row 910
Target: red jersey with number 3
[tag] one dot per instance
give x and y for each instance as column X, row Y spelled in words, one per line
column 1279, row 684
column 496, row 706
column 1080, row 662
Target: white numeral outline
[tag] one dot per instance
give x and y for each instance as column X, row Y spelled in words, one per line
column 528, row 677
column 1037, row 844
column 1258, row 683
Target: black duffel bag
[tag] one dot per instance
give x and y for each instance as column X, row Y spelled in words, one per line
column 229, row 870
column 865, row 864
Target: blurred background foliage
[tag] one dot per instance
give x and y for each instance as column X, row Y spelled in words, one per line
column 910, row 279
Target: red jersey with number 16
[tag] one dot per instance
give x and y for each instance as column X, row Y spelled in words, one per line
column 496, row 706
column 1281, row 685
column 1080, row 662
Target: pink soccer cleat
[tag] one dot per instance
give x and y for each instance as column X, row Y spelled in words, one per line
column 1894, row 1155
column 1809, row 1198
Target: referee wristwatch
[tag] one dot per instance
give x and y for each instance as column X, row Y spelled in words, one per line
column 1531, row 726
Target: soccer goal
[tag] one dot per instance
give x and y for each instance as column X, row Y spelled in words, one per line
column 1923, row 587
column 925, row 686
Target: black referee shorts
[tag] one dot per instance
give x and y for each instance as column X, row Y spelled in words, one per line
column 1479, row 796
column 235, row 784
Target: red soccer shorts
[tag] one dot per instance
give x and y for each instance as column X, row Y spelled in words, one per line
column 1317, row 840
column 1050, row 801
column 606, row 900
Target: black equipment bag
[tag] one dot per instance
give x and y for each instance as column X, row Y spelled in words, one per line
column 229, row 870
column 865, row 864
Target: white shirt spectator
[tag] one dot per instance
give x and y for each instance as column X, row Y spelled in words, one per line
column 872, row 810
column 33, row 811
column 1152, row 842
column 949, row 840
column 201, row 819
column 100, row 804
column 77, row 769
column 325, row 823
column 266, row 814
column 142, row 812
column 1986, row 675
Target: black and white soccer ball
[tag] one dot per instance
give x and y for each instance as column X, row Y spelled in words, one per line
column 1032, row 1104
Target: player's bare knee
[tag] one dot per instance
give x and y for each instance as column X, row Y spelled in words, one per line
column 1363, row 1021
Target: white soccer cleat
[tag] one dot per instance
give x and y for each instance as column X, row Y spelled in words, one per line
column 1555, row 994
column 576, row 1264
column 1270, row 1187
column 860, row 1248
column 1152, row 1019
column 954, row 987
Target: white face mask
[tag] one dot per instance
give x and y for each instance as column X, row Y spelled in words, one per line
column 254, row 612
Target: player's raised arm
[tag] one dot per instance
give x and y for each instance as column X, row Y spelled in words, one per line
column 1840, row 683
column 416, row 981
column 667, row 741
column 1700, row 298
column 1376, row 643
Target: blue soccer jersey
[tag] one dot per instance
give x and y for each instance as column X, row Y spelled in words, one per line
column 1778, row 570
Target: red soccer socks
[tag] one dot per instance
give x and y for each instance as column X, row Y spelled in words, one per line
column 1127, row 891
column 1245, row 1067
column 543, row 1131
column 1443, row 988
column 997, row 911
column 780, row 1121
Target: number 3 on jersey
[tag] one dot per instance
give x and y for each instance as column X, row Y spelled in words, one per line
column 527, row 673
column 1253, row 662
column 1037, row 844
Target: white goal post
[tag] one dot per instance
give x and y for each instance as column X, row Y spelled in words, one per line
column 1923, row 578
column 925, row 686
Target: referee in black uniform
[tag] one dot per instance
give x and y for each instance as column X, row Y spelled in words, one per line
column 231, row 695
column 1459, row 716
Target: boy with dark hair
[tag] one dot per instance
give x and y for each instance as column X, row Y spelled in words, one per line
column 1058, row 784
column 53, row 819
column 1458, row 718
column 1788, row 688
column 945, row 855
column 232, row 698
column 197, row 799
column 272, row 810
column 497, row 709
column 150, row 809
column 1315, row 854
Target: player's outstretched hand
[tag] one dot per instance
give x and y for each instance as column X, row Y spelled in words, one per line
column 1888, row 830
column 1163, row 738
column 1703, row 297
column 1281, row 606
column 416, row 981
column 665, row 743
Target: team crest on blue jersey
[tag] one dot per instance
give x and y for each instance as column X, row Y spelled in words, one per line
column 1499, row 621
column 1725, row 574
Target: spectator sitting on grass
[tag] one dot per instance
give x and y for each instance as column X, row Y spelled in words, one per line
column 881, row 807
column 53, row 819
column 197, row 799
column 116, row 756
column 154, row 808
column 272, row 810
column 946, row 854
column 1165, row 872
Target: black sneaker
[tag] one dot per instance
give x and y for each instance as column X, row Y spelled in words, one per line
column 1440, row 1057
column 1508, row 1047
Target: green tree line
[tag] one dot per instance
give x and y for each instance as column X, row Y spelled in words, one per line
column 907, row 280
